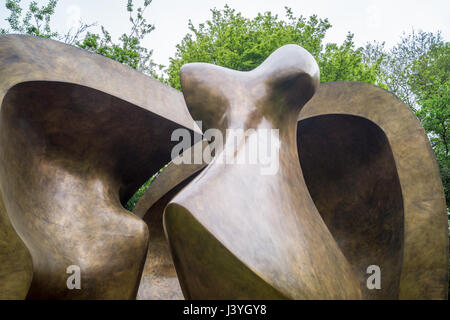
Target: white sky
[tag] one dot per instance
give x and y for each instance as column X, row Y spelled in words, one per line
column 382, row 20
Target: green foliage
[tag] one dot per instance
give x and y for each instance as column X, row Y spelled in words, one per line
column 397, row 64
column 36, row 21
column 128, row 50
column 430, row 82
column 345, row 62
column 138, row 194
column 233, row 41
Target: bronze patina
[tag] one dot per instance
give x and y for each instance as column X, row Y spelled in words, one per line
column 356, row 183
column 78, row 135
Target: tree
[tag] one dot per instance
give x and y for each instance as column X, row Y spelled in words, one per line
column 128, row 50
column 233, row 41
column 430, row 82
column 416, row 69
column 36, row 21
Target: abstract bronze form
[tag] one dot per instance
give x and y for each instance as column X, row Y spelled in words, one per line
column 78, row 135
column 371, row 172
column 356, row 185
column 272, row 244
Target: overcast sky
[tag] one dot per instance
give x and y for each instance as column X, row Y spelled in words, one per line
column 382, row 20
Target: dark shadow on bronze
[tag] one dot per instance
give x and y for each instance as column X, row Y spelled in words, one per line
column 351, row 175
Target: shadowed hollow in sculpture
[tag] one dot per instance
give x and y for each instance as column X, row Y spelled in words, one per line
column 235, row 233
column 355, row 183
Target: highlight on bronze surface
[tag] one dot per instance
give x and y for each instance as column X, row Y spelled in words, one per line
column 284, row 188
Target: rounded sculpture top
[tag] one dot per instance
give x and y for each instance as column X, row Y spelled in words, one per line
column 280, row 86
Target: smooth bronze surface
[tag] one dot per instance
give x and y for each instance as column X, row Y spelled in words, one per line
column 371, row 172
column 351, row 176
column 368, row 167
column 235, row 233
column 16, row 266
column 79, row 133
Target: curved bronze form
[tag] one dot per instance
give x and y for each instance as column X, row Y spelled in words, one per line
column 79, row 133
column 371, row 172
column 368, row 167
column 356, row 183
column 159, row 279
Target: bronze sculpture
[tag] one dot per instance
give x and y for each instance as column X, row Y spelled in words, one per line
column 357, row 184
column 256, row 246
column 159, row 279
column 385, row 183
column 73, row 135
